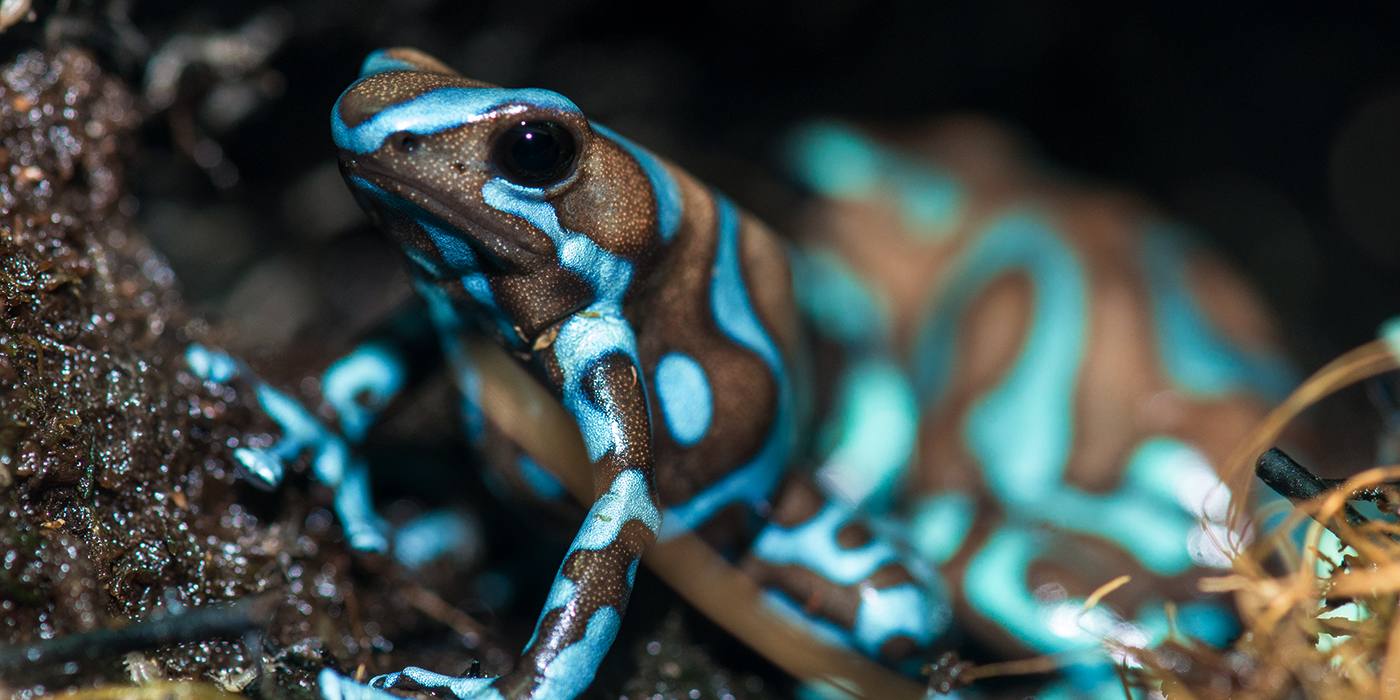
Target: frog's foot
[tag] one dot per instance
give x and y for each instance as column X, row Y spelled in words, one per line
column 332, row 460
column 438, row 533
column 464, row 688
column 823, row 567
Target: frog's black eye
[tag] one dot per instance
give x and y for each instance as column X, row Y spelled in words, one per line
column 536, row 154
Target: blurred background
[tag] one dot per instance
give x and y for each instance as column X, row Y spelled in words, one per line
column 1274, row 127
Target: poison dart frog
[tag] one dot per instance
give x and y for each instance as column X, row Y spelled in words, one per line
column 964, row 396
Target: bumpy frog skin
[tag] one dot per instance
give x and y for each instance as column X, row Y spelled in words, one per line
column 1022, row 385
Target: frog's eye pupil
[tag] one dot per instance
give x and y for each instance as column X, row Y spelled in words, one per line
column 536, row 154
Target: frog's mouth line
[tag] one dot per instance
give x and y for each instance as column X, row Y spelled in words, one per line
column 510, row 251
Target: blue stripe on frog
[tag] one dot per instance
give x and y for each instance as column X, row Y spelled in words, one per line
column 840, row 304
column 1197, row 357
column 842, row 163
column 872, row 430
column 587, row 337
column 685, row 397
column 381, row 62
column 1021, row 431
column 449, row 329
column 883, row 613
column 607, row 273
column 359, row 385
column 663, row 184
column 456, row 253
column 440, row 110
column 729, row 302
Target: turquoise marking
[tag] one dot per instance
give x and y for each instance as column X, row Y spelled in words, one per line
column 1390, row 332
column 734, row 314
column 371, row 371
column 840, row 162
column 439, row 110
column 563, row 591
column 381, row 62
column 684, row 392
column 899, row 610
column 210, row 366
column 835, row 160
column 813, row 545
column 260, row 468
column 569, row 673
column 627, row 499
column 449, row 327
column 1154, row 531
column 839, row 303
column 337, row 687
column 874, row 425
column 586, row 338
column 883, row 613
column 608, row 274
column 436, row 534
column 928, row 199
column 1197, row 357
column 331, row 463
column 940, row 523
column 464, row 688
column 543, row 484
column 669, row 206
column 451, row 246
column 995, row 585
column 582, row 342
column 1021, row 431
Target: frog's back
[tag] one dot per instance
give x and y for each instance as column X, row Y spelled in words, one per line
column 1081, row 367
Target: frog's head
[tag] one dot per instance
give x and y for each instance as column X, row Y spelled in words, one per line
column 509, row 197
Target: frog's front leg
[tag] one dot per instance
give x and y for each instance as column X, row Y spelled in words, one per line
column 592, row 365
column 333, row 461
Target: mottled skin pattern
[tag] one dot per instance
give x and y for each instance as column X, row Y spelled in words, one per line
column 700, row 282
column 1023, row 384
column 1173, row 360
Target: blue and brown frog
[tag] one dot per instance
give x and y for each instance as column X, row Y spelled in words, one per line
column 962, row 399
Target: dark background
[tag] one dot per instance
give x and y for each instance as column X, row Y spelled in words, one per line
column 1275, row 127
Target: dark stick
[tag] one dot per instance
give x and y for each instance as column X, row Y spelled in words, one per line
column 195, row 625
column 1294, row 482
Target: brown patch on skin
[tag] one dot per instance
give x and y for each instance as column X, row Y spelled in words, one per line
column 1233, row 307
column 814, row 594
column 540, row 299
column 671, row 313
column 990, row 338
column 612, row 202
column 853, row 535
column 768, row 276
column 888, row 576
column 612, row 385
column 831, row 602
column 898, row 648
column 1119, row 371
column 601, row 578
column 419, row 60
column 370, row 95
column 796, row 502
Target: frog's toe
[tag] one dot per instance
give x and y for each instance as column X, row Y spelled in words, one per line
column 210, row 365
column 439, row 533
column 464, row 688
column 260, row 468
column 337, row 687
